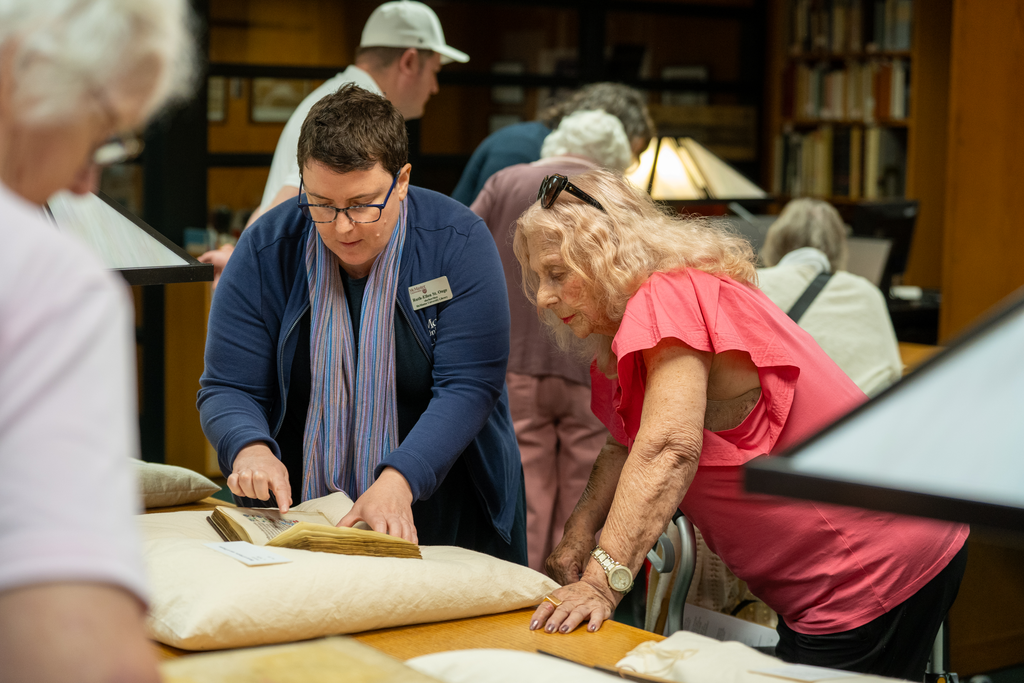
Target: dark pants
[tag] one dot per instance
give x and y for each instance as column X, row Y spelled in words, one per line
column 455, row 515
column 896, row 644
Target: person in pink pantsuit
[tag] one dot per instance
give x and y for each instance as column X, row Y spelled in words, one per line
column 549, row 391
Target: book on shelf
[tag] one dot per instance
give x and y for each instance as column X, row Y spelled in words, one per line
column 850, row 26
column 305, row 531
column 842, row 162
column 866, row 91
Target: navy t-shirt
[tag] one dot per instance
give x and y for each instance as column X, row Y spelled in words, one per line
column 413, row 381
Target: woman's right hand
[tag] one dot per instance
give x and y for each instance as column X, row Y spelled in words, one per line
column 257, row 473
column 569, row 558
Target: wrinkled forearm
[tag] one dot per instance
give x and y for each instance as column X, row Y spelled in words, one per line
column 593, row 506
column 652, row 483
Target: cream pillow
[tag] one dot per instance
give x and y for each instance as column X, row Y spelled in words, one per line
column 204, row 600
column 503, row 666
column 165, row 485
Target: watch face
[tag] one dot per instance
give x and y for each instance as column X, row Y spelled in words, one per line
column 620, row 579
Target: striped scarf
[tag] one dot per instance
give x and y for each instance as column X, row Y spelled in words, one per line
column 352, row 421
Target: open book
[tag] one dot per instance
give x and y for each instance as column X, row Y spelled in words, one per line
column 305, row 531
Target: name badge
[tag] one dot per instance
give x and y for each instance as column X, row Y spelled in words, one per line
column 430, row 293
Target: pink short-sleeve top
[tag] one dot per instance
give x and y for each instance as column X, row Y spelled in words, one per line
column 824, row 568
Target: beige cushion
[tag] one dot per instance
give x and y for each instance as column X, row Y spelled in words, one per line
column 165, row 485
column 204, row 600
column 504, row 666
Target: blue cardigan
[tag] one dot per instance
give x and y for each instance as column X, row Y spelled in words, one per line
column 251, row 342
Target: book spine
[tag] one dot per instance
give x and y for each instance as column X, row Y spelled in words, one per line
column 778, row 163
column 871, row 159
column 856, row 161
column 855, row 21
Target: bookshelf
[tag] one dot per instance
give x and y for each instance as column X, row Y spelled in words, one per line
column 856, row 109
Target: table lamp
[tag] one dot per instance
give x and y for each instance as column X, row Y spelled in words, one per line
column 681, row 169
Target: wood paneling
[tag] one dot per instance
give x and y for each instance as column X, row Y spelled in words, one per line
column 926, row 149
column 984, row 218
column 986, row 624
column 297, row 32
column 186, row 308
column 237, row 188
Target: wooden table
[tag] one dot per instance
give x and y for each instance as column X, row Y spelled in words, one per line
column 509, row 631
column 913, row 355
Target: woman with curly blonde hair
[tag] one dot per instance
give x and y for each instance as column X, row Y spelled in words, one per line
column 697, row 372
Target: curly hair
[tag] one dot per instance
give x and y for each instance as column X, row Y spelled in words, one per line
column 615, row 251
column 627, row 104
column 591, row 134
column 807, row 223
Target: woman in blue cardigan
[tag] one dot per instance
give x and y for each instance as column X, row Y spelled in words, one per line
column 358, row 341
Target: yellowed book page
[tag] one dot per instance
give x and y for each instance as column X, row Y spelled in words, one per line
column 344, row 540
column 262, row 524
column 319, row 661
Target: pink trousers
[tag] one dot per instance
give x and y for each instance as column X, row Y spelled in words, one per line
column 559, row 440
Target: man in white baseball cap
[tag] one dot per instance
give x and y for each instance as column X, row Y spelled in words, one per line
column 401, row 50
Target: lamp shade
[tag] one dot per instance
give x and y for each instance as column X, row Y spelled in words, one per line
column 686, row 170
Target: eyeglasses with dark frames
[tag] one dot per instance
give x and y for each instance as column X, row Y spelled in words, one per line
column 361, row 213
column 554, row 185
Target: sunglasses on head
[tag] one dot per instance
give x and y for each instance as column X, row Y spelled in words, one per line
column 553, row 185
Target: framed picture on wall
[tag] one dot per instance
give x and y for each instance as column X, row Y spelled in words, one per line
column 274, row 99
column 216, row 99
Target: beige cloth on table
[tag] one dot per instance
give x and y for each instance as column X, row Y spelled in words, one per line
column 692, row 658
column 205, row 600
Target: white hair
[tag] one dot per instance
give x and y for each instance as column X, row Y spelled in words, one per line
column 59, row 51
column 592, row 134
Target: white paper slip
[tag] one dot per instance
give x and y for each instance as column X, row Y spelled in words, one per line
column 247, row 553
column 723, row 627
column 430, row 293
column 804, row 673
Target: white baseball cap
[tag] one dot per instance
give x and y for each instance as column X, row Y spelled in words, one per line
column 405, row 23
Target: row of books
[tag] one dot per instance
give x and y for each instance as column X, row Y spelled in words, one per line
column 873, row 90
column 843, row 26
column 851, row 162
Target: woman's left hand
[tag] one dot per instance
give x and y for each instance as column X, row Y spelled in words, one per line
column 581, row 601
column 386, row 506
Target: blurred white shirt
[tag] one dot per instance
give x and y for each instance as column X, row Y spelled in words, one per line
column 68, row 418
column 848, row 318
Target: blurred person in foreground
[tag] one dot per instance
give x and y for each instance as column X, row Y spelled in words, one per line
column 401, row 50
column 521, row 143
column 696, row 373
column 77, row 78
column 806, row 246
column 549, row 390
column 358, row 342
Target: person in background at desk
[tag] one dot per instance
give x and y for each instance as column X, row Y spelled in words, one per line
column 76, row 78
column 697, row 372
column 806, row 247
column 401, row 50
column 549, row 390
column 520, row 143
column 358, row 342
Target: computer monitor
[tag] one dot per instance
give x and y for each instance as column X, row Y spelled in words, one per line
column 891, row 220
column 868, row 257
column 753, row 228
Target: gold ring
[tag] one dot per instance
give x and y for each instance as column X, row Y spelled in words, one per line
column 554, row 601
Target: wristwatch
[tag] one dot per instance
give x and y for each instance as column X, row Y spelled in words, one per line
column 619, row 576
